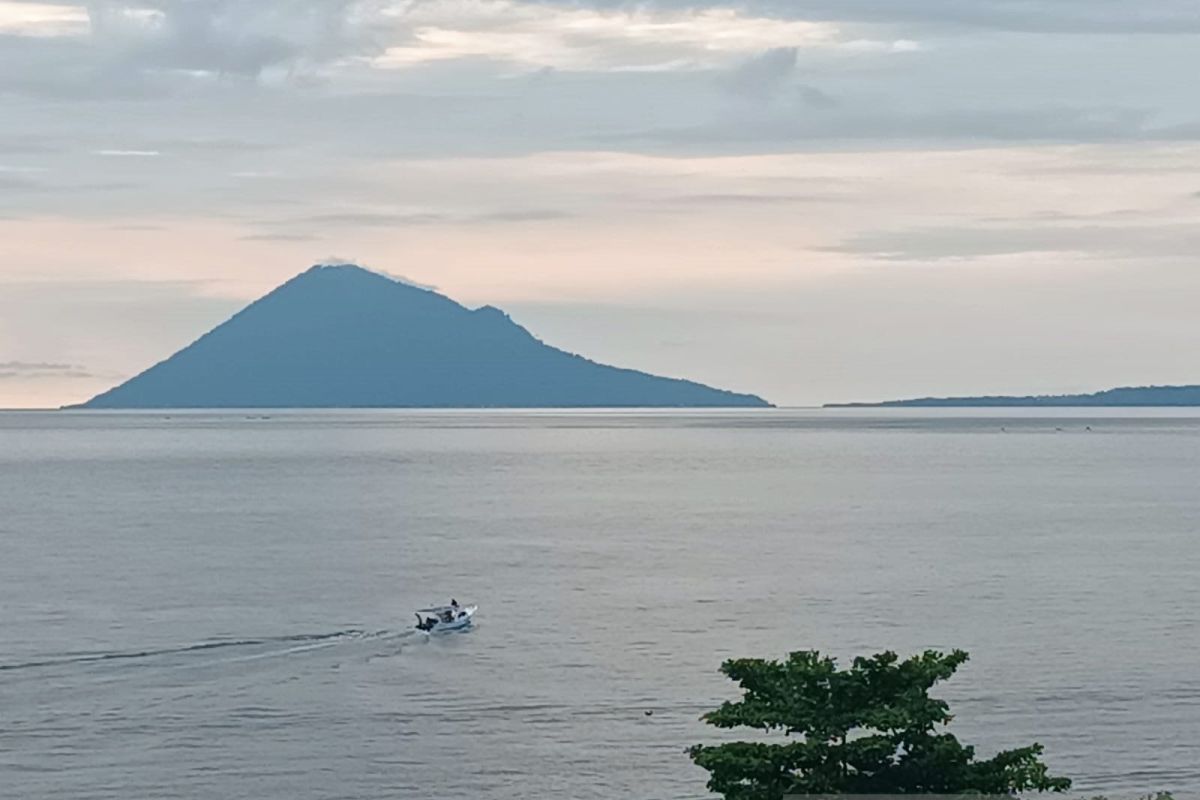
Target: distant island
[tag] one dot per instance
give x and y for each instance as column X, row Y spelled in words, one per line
column 339, row 336
column 1168, row 396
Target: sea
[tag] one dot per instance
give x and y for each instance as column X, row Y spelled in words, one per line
column 220, row 605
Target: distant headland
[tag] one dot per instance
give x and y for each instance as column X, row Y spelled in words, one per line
column 1144, row 396
column 339, row 336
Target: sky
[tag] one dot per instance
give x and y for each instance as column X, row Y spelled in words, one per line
column 812, row 200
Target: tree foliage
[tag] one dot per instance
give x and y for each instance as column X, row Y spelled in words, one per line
column 869, row 729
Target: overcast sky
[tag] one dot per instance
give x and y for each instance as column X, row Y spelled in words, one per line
column 813, row 200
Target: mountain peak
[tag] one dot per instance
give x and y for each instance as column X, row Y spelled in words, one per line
column 348, row 272
column 335, row 268
column 341, row 336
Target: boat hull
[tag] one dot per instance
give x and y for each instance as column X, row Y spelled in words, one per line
column 464, row 620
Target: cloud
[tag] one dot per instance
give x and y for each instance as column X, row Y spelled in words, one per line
column 41, row 19
column 26, row 370
column 429, row 78
column 113, row 48
column 18, row 183
column 127, row 153
column 213, row 146
column 34, row 366
column 765, row 73
column 777, row 130
column 814, row 97
column 248, row 38
column 429, row 287
column 367, row 219
column 1045, row 16
column 228, row 37
column 281, row 237
column 26, row 145
column 397, row 219
column 583, row 37
column 519, row 215
column 312, row 100
column 1176, row 240
column 757, row 199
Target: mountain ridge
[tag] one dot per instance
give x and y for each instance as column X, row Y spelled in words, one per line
column 340, row 336
column 1165, row 396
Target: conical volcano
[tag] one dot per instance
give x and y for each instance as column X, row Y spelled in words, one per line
column 344, row 337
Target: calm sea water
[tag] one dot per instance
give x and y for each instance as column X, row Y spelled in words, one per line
column 202, row 605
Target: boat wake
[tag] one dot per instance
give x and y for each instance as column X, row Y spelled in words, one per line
column 268, row 646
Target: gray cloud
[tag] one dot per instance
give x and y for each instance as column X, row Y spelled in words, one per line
column 937, row 127
column 765, row 74
column 228, row 37
column 21, row 183
column 153, row 48
column 24, row 145
column 815, row 98
column 226, row 80
column 17, row 189
column 365, row 219
column 18, row 183
column 1048, row 16
column 518, row 215
column 374, row 219
column 281, row 237
column 212, row 147
column 34, row 366
column 27, row 370
column 1112, row 241
column 757, row 199
column 103, row 186
column 771, row 78
column 1052, row 16
column 274, row 31
column 409, row 281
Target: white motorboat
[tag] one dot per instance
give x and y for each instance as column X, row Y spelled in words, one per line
column 444, row 619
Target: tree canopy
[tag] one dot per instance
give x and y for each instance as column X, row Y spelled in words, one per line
column 868, row 729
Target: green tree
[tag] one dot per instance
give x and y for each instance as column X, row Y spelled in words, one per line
column 869, row 729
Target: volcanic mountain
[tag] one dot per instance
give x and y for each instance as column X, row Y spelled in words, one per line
column 343, row 337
